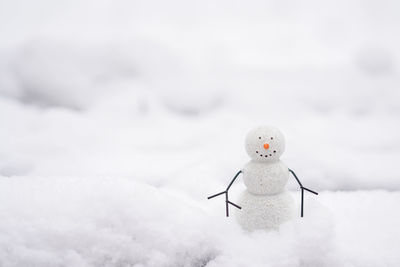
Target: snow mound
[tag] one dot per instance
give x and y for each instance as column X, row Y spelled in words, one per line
column 107, row 222
column 68, row 221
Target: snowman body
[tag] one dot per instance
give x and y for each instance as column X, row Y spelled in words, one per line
column 265, row 178
column 266, row 203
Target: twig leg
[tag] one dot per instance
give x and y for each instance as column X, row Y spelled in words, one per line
column 227, row 204
column 302, row 201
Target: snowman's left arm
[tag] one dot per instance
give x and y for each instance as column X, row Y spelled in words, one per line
column 302, row 190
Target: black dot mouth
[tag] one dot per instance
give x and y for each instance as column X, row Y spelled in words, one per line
column 266, row 156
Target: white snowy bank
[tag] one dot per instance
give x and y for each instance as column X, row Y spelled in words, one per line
column 64, row 221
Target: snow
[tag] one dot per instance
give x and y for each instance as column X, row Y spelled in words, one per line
column 70, row 221
column 119, row 118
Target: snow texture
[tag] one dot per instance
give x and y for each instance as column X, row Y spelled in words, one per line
column 70, row 221
column 118, row 119
column 263, row 178
column 264, row 211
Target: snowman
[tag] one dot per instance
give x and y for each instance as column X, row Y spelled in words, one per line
column 266, row 203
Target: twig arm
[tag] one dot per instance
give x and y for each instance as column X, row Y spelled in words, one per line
column 210, row 197
column 227, row 202
column 302, row 191
column 297, row 179
column 233, row 180
column 309, row 190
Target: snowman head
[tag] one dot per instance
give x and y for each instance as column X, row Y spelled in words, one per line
column 265, row 144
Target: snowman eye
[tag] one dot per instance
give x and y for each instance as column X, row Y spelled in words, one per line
column 259, row 137
column 272, row 138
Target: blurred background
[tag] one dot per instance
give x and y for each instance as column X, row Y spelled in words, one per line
column 155, row 89
column 119, row 117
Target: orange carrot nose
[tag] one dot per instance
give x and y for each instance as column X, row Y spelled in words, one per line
column 266, row 146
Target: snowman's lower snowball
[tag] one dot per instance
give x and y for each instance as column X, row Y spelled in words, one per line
column 264, row 211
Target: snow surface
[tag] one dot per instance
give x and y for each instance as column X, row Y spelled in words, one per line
column 69, row 221
column 118, row 119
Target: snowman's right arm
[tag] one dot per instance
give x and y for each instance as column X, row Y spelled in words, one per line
column 229, row 186
column 227, row 202
column 233, row 180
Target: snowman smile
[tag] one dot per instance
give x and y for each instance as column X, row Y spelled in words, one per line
column 265, row 155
